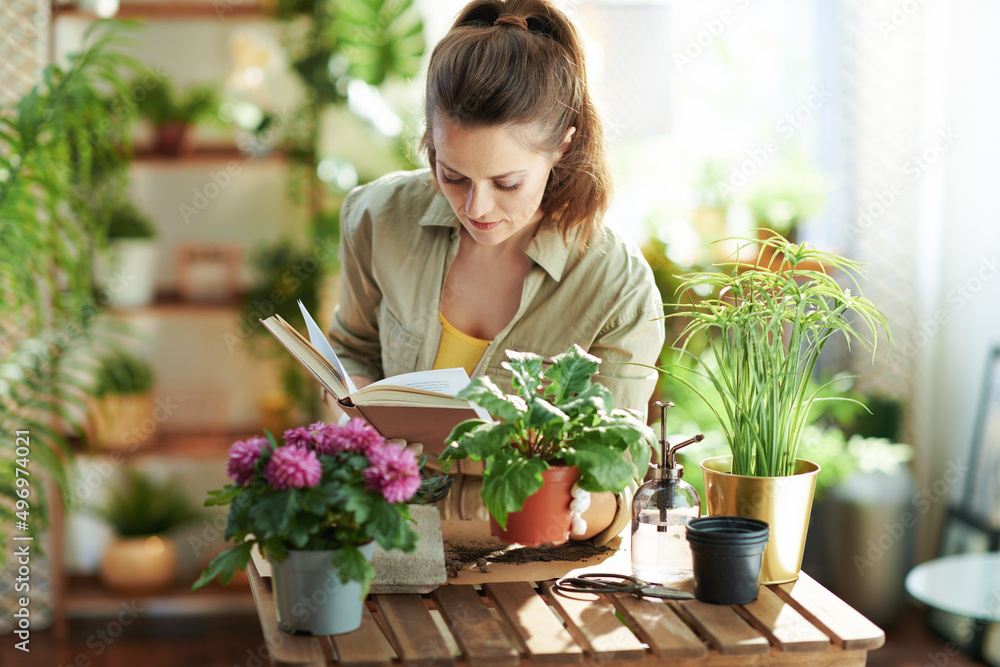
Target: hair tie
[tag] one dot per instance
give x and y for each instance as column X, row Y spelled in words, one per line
column 512, row 19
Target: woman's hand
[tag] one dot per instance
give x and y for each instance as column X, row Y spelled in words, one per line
column 416, row 447
column 600, row 514
column 331, row 401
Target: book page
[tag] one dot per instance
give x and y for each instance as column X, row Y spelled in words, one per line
column 322, row 344
column 448, row 381
column 429, row 388
column 307, row 355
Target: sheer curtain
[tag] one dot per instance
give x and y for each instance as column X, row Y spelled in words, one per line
column 884, row 77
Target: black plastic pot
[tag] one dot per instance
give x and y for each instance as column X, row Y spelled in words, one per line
column 727, row 553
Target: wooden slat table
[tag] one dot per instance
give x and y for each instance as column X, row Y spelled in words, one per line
column 526, row 624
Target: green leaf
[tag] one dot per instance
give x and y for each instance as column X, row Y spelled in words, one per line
column 483, row 392
column 389, row 525
column 352, row 565
column 462, row 428
column 594, row 399
column 314, row 501
column 570, row 374
column 601, row 468
column 543, row 416
column 507, row 483
column 300, row 527
column 356, row 501
column 271, row 510
column 526, row 369
column 482, row 442
column 223, row 496
column 225, row 565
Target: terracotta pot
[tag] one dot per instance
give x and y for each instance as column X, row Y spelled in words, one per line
column 545, row 518
column 173, row 138
column 784, row 503
column 131, row 563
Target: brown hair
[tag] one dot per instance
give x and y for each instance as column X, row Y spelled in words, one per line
column 486, row 73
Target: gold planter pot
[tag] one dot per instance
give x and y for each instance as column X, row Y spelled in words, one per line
column 783, row 502
column 145, row 563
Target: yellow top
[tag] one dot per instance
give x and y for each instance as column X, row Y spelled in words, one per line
column 457, row 349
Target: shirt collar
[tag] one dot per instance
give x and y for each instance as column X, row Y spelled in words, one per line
column 547, row 249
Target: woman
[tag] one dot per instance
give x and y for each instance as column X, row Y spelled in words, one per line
column 500, row 245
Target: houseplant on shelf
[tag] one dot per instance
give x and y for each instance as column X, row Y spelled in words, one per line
column 142, row 512
column 315, row 506
column 126, row 271
column 123, row 402
column 172, row 114
column 766, row 326
column 558, row 431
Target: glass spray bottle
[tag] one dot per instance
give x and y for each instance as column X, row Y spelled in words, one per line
column 660, row 510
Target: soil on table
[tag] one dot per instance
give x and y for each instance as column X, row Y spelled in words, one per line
column 470, row 551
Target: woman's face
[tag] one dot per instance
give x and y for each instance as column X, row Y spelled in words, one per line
column 493, row 183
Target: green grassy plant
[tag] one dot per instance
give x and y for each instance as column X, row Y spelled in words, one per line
column 141, row 506
column 123, row 373
column 766, row 326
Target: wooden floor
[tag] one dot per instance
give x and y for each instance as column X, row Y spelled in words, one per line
column 910, row 644
column 236, row 641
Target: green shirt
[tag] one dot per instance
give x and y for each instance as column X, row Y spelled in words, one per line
column 399, row 237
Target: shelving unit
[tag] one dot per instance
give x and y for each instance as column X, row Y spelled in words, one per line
column 180, row 11
column 207, row 156
column 90, row 599
column 218, row 386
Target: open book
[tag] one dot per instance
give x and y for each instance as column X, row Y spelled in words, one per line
column 420, row 407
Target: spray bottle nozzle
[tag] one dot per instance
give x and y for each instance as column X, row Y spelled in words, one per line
column 668, row 465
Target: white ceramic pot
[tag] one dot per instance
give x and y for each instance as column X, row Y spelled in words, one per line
column 308, row 595
column 126, row 274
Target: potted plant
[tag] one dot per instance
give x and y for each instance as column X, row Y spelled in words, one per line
column 123, row 402
column 172, row 113
column 558, row 432
column 127, row 270
column 143, row 512
column 315, row 506
column 766, row 326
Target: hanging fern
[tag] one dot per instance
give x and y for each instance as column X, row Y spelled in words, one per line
column 60, row 145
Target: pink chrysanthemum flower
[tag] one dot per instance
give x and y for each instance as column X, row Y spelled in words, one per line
column 329, row 440
column 293, row 467
column 303, row 436
column 358, row 436
column 242, row 458
column 394, row 472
